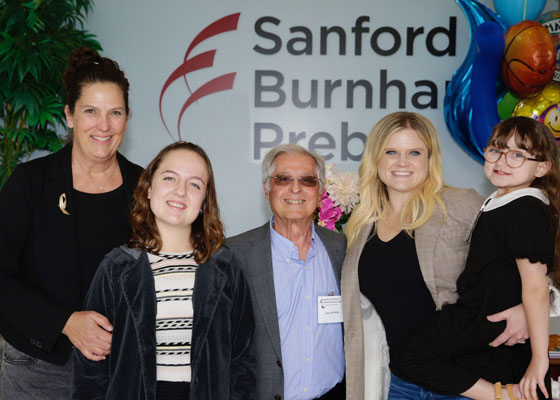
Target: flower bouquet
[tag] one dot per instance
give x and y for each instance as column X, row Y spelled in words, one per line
column 340, row 196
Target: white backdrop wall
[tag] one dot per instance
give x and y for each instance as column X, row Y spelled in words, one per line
column 285, row 83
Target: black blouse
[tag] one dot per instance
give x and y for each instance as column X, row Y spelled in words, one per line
column 101, row 221
column 516, row 225
column 390, row 277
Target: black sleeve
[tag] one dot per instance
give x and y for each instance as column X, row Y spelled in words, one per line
column 24, row 308
column 530, row 231
column 90, row 379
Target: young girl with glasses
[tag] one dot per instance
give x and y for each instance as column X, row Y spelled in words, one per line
column 514, row 244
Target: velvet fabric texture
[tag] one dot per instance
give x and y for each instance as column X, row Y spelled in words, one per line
column 222, row 361
column 39, row 258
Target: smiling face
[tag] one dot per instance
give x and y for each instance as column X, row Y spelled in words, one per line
column 293, row 202
column 99, row 121
column 507, row 179
column 404, row 165
column 177, row 193
column 552, row 120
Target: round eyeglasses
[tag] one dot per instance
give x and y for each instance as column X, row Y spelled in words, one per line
column 284, row 180
column 514, row 158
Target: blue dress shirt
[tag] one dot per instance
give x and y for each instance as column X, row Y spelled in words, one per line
column 312, row 353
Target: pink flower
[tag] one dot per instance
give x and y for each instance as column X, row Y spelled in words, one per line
column 328, row 224
column 338, row 199
column 329, row 214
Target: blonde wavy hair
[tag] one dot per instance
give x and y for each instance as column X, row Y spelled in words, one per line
column 373, row 192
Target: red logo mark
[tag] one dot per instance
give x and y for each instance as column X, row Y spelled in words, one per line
column 200, row 61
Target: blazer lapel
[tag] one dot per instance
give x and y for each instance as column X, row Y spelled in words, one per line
column 335, row 252
column 130, row 177
column 259, row 261
column 209, row 284
column 140, row 296
column 351, row 286
column 59, row 197
column 353, row 257
column 425, row 239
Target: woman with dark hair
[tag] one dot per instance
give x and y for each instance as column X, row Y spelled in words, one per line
column 180, row 307
column 58, row 216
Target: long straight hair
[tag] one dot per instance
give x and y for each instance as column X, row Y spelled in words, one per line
column 374, row 197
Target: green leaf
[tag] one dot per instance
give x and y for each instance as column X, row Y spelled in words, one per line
column 36, row 37
column 30, row 4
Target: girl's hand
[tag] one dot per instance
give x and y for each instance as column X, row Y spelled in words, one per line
column 534, row 376
column 536, row 302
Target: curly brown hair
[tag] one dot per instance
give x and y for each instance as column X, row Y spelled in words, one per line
column 538, row 140
column 207, row 232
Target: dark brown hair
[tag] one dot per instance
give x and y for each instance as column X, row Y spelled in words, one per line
column 535, row 138
column 207, row 232
column 86, row 66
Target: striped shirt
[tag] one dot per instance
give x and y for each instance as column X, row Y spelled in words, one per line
column 174, row 275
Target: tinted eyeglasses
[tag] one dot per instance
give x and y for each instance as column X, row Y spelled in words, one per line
column 284, row 180
column 514, row 158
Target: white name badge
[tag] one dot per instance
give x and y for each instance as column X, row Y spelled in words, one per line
column 329, row 309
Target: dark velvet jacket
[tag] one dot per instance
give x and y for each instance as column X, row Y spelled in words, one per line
column 39, row 260
column 222, row 361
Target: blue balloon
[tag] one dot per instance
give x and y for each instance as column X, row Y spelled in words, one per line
column 490, row 40
column 514, row 11
column 458, row 104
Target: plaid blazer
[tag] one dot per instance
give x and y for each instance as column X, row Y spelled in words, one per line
column 442, row 247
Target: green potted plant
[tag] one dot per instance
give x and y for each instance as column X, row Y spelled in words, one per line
column 36, row 38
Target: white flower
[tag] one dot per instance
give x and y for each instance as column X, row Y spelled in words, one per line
column 343, row 189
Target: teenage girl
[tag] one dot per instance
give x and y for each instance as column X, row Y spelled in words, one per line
column 514, row 244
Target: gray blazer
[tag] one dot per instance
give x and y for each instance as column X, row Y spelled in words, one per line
column 442, row 247
column 253, row 249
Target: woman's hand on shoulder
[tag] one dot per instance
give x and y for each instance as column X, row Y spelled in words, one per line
column 89, row 332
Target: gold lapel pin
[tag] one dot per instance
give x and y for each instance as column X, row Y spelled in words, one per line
column 62, row 204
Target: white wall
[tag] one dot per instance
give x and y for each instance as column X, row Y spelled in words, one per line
column 149, row 40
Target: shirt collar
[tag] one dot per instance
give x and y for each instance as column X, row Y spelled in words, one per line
column 285, row 248
column 493, row 202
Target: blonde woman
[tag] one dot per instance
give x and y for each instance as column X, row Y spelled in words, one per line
column 407, row 245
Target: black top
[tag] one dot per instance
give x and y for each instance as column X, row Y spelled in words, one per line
column 512, row 226
column 39, row 260
column 389, row 275
column 166, row 390
column 101, row 221
column 450, row 352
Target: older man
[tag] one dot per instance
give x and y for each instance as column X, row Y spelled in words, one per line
column 293, row 268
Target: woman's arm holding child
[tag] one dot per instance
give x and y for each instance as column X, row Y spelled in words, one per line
column 535, row 298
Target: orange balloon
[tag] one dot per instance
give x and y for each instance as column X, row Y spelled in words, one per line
column 529, row 58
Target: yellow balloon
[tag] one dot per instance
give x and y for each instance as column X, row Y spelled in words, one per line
column 544, row 106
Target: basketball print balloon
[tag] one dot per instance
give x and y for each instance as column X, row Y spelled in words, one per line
column 529, row 58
